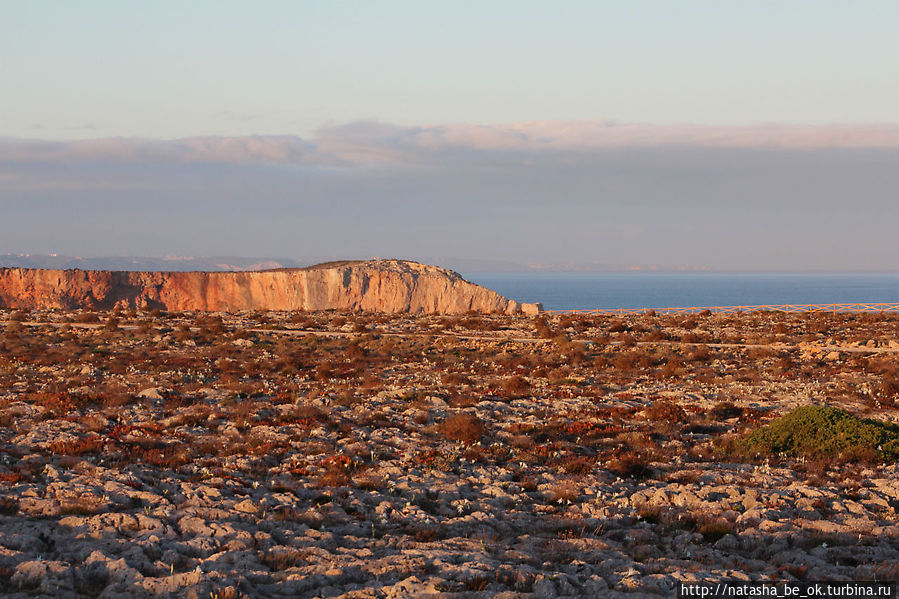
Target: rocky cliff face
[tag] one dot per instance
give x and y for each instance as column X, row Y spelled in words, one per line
column 374, row 285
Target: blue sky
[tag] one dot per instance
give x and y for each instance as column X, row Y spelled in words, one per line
column 617, row 132
column 178, row 69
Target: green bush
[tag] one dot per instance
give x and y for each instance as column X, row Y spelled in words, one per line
column 820, row 431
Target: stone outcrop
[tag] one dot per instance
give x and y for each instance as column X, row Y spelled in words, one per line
column 373, row 285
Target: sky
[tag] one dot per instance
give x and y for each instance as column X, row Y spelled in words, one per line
column 724, row 134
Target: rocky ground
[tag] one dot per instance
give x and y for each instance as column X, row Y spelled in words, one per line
column 341, row 455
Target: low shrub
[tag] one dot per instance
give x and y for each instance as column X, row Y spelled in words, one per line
column 665, row 411
column 715, row 530
column 564, row 492
column 465, row 428
column 627, row 340
column 455, row 378
column 577, row 465
column 112, row 323
column 630, row 465
column 516, row 386
column 336, row 471
column 83, row 505
column 673, row 368
column 9, row 506
column 282, row 558
column 889, row 385
column 818, row 431
column 618, row 326
column 700, row 353
column 723, row 410
column 542, row 328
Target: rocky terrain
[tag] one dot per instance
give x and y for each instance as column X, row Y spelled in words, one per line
column 329, row 454
column 372, row 286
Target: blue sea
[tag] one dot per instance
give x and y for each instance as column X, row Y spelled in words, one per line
column 578, row 291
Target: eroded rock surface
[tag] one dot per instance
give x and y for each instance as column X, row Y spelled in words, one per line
column 361, row 455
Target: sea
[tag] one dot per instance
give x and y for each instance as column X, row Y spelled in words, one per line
column 582, row 291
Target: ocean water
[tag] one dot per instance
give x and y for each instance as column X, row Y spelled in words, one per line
column 578, row 291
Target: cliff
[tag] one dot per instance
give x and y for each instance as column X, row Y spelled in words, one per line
column 373, row 285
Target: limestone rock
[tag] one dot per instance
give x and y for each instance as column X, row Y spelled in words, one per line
column 373, row 285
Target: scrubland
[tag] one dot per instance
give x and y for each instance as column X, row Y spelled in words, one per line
column 335, row 454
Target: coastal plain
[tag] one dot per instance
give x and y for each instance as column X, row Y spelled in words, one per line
column 361, row 455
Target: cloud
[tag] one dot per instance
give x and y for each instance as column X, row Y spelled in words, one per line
column 251, row 149
column 375, row 143
column 763, row 197
column 586, row 135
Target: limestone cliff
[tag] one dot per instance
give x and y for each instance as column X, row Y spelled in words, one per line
column 373, row 285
